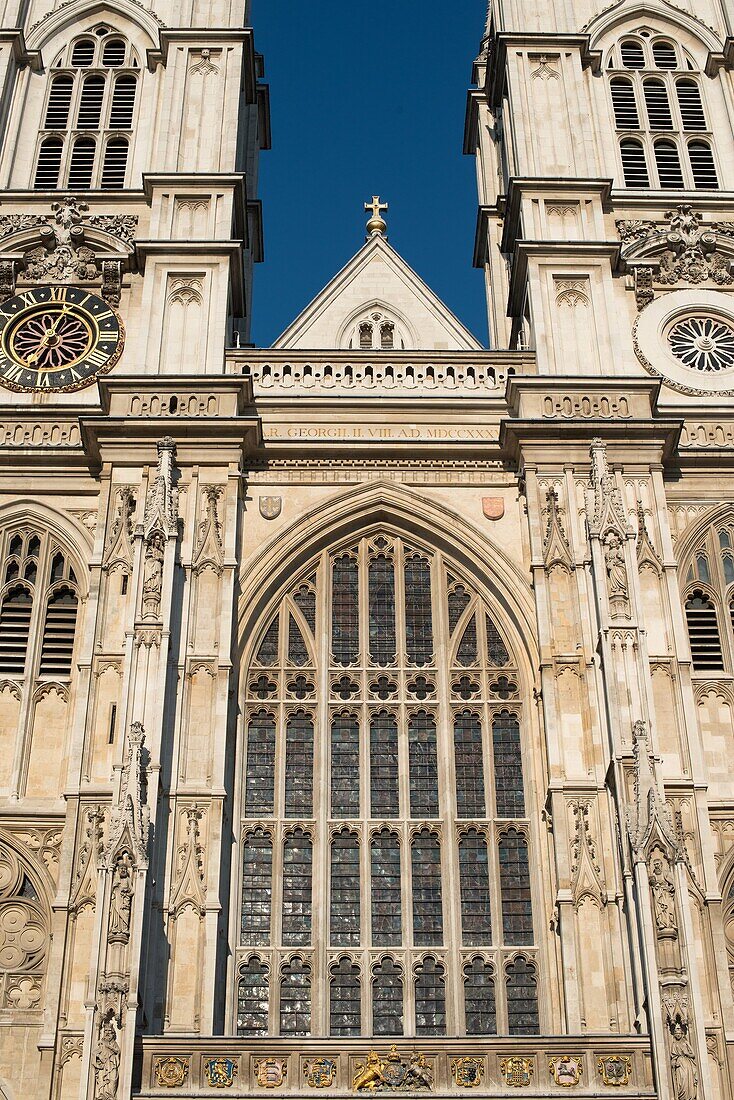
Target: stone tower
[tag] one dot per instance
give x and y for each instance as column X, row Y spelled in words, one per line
column 366, row 701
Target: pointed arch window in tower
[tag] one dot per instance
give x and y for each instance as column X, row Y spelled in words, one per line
column 383, row 724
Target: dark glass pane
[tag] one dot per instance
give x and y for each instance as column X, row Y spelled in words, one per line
column 517, row 911
column 459, row 600
column 430, row 999
column 691, row 107
column 260, row 776
column 297, row 649
column 299, row 765
column 664, row 55
column 466, row 654
column 297, row 890
column 476, row 920
column 479, row 1001
column 384, row 793
column 418, row 614
column 344, row 1000
column 267, row 654
column 345, row 890
column 345, row 611
column 702, row 166
column 382, row 611
column 385, row 891
column 508, row 781
column 522, row 998
column 496, row 648
column 257, row 889
column 252, row 999
column 305, row 601
column 423, row 765
column 295, row 999
column 344, row 766
column 387, row 999
column 469, row 765
column 427, row 912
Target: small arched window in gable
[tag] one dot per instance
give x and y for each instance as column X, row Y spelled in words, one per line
column 90, row 107
column 648, row 95
column 376, row 331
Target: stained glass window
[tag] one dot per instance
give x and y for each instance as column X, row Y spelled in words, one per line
column 517, row 912
column 345, row 611
column 382, row 611
column 297, row 852
column 344, row 766
column 476, row 920
column 430, row 999
column 345, row 890
column 469, row 765
column 299, row 765
column 508, row 781
column 423, row 765
column 295, row 999
column 385, row 890
column 387, row 999
column 384, row 790
column 257, row 888
column 252, row 999
column 260, row 781
column 427, row 910
column 522, row 998
column 345, row 999
column 479, row 1002
column 376, row 769
column 418, row 612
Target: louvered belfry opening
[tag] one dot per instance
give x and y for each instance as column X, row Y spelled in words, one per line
column 372, row 670
column 15, row 625
column 58, row 633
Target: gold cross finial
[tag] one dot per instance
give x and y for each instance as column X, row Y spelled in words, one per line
column 377, row 225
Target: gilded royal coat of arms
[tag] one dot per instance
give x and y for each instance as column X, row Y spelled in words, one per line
column 380, row 1073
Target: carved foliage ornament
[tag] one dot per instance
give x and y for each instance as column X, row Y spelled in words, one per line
column 682, row 250
column 119, row 552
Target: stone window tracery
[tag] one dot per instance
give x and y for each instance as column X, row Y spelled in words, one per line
column 88, row 121
column 38, row 597
column 708, row 598
column 393, row 770
column 376, row 331
column 664, row 137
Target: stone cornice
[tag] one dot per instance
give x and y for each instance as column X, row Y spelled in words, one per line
column 22, row 55
column 542, row 43
column 565, row 251
column 202, row 37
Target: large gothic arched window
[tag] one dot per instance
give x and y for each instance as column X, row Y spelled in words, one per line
column 709, row 600
column 385, row 853
column 87, row 125
column 665, row 137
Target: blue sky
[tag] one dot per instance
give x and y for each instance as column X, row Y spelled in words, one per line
column 366, row 98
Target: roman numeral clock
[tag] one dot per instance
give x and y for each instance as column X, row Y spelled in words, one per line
column 56, row 338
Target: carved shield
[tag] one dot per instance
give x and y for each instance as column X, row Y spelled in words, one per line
column 220, row 1072
column 493, row 507
column 270, row 507
column 270, row 1072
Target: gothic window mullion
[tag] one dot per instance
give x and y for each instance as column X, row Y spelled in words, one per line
column 321, row 807
column 724, row 614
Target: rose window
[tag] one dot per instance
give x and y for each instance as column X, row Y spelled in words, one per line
column 704, row 344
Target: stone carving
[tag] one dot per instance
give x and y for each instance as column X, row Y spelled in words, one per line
column 393, row 1071
column 545, row 69
column 91, row 851
column 72, row 1046
column 209, row 551
column 155, row 549
column 112, row 998
column 685, row 250
column 203, row 64
column 649, row 820
column 112, row 281
column 572, row 292
column 106, row 1062
column 161, row 505
column 23, row 993
column 119, row 552
column 186, row 291
column 121, row 899
column 615, row 1069
column 220, row 1072
column 18, row 223
column 188, row 888
column 468, row 1072
column 604, row 504
column 23, row 934
column 121, row 226
column 130, row 819
column 566, row 1069
column 644, row 292
column 647, row 555
column 7, row 280
column 586, row 874
column 493, row 507
column 171, row 1073
column 44, row 843
column 682, row 1058
column 617, row 581
column 320, row 1073
column 663, row 893
column 271, row 1072
column 270, row 507
column 517, row 1072
column 556, row 550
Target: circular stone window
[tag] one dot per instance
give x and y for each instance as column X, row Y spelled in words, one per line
column 687, row 338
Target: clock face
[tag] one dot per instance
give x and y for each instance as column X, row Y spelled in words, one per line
column 57, row 338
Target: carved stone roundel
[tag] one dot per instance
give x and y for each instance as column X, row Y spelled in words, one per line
column 687, row 339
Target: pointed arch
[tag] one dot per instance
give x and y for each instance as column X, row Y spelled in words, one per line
column 74, row 14
column 74, row 539
column 622, row 16
column 390, row 312
column 355, row 511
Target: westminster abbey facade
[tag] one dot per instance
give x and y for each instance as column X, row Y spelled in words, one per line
column 367, row 701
